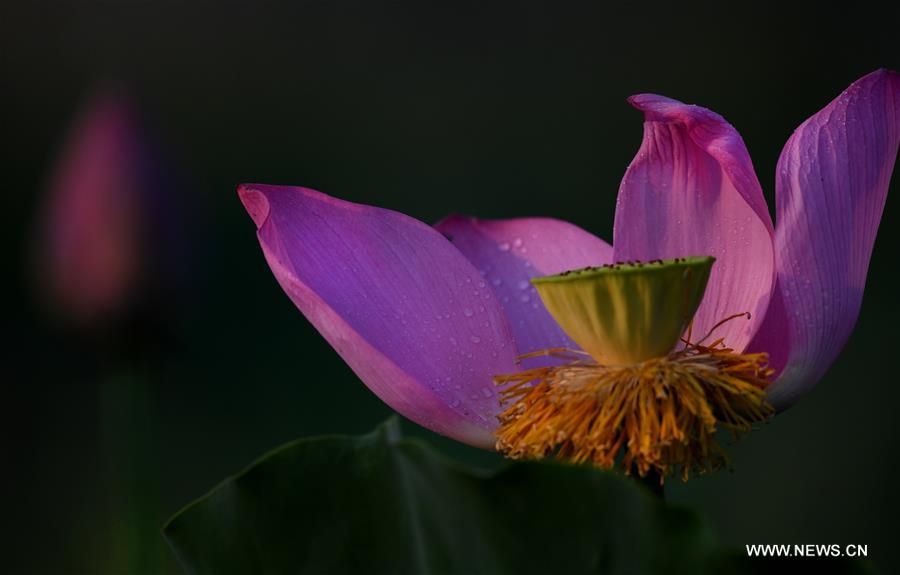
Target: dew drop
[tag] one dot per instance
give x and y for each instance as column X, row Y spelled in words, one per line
column 486, row 393
column 523, row 284
column 468, row 312
column 475, row 339
column 504, row 247
column 517, row 242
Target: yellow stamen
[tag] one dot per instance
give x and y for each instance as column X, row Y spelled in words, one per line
column 658, row 415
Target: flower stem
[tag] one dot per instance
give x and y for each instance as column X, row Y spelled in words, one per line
column 653, row 482
column 129, row 451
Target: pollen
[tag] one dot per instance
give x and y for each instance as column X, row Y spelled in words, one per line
column 658, row 416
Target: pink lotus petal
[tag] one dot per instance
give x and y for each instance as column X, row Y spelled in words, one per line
column 690, row 191
column 832, row 183
column 409, row 314
column 511, row 252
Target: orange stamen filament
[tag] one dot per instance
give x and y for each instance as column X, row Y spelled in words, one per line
column 659, row 416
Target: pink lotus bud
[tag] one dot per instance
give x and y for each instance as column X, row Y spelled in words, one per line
column 99, row 229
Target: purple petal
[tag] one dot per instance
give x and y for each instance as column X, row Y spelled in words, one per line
column 409, row 314
column 511, row 252
column 832, row 183
column 691, row 191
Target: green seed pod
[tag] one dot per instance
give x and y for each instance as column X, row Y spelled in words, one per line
column 627, row 313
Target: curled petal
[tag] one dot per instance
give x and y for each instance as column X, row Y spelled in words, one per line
column 832, row 183
column 692, row 191
column 508, row 253
column 409, row 314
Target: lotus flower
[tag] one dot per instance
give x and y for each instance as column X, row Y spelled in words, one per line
column 110, row 231
column 431, row 317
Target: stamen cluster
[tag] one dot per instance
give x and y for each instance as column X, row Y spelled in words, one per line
column 657, row 416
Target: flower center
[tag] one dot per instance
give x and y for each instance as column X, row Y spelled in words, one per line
column 631, row 397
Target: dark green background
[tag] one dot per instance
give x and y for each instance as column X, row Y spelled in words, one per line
column 499, row 110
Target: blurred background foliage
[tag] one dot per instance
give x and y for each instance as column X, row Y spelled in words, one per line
column 498, row 110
